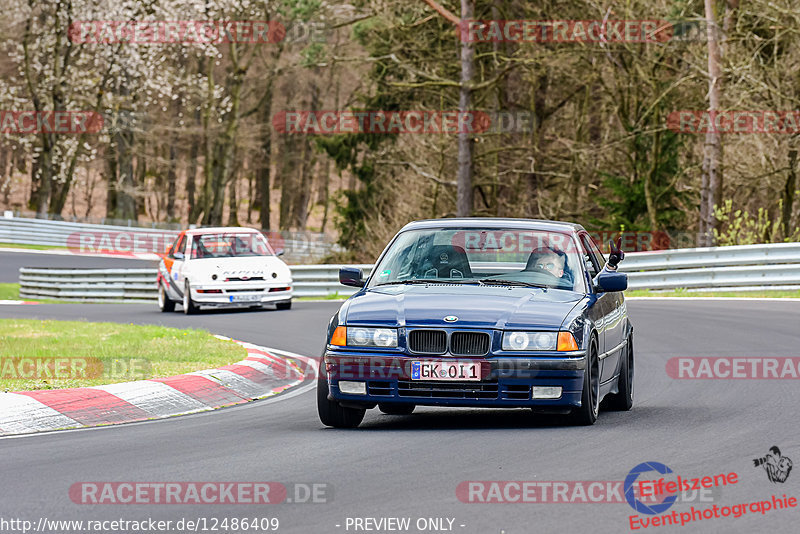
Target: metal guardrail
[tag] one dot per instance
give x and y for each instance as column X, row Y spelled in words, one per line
column 742, row 267
column 45, row 232
column 138, row 285
column 88, row 285
column 750, row 267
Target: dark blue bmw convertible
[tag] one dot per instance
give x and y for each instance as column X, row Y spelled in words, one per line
column 484, row 313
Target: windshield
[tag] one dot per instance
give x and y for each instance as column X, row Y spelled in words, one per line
column 229, row 245
column 495, row 256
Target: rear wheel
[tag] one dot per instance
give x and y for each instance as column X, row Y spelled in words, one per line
column 189, row 306
column 164, row 302
column 397, row 409
column 587, row 413
column 331, row 413
column 284, row 305
column 623, row 401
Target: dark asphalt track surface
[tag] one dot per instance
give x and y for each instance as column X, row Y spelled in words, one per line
column 410, row 466
column 10, row 262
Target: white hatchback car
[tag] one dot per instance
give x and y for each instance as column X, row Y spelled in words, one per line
column 222, row 267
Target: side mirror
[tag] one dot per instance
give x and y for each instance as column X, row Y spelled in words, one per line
column 279, row 252
column 178, row 256
column 610, row 281
column 351, row 276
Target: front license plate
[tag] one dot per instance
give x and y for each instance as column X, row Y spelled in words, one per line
column 446, row 371
column 245, row 298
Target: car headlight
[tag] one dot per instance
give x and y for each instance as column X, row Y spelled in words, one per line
column 356, row 336
column 533, row 341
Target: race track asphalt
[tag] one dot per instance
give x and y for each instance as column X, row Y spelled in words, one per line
column 410, row 466
column 10, row 262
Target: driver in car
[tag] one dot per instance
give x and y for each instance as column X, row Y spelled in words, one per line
column 547, row 259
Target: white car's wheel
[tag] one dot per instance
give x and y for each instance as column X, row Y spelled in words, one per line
column 164, row 302
column 189, row 306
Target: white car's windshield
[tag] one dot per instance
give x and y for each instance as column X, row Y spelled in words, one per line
column 482, row 255
column 229, row 245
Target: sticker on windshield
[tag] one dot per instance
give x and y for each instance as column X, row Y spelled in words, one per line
column 385, row 272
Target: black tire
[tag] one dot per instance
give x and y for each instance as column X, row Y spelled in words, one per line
column 331, row 413
column 586, row 415
column 164, row 302
column 283, row 305
column 189, row 307
column 623, row 401
column 397, row 409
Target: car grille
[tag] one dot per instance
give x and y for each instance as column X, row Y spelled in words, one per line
column 461, row 343
column 427, row 341
column 489, row 390
column 448, row 390
column 469, row 343
column 239, row 279
column 245, row 290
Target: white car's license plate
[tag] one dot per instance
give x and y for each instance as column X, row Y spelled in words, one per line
column 246, row 298
column 457, row 370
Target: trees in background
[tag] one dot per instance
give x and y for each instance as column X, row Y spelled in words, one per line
column 579, row 129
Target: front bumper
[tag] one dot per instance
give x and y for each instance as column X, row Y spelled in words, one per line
column 506, row 381
column 239, row 296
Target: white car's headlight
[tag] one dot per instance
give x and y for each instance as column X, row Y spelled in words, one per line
column 357, row 336
column 530, row 340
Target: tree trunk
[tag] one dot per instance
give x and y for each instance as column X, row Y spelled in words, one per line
column 465, row 138
column 265, row 161
column 126, row 202
column 224, row 146
column 712, row 158
column 171, row 179
column 787, row 198
column 5, row 180
column 649, row 176
column 191, row 173
column 233, row 204
column 111, row 179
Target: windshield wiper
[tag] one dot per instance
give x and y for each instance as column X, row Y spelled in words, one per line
column 427, row 281
column 517, row 283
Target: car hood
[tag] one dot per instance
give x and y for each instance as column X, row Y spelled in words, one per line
column 474, row 306
column 240, row 266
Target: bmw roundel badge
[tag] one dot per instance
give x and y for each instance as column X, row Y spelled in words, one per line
column 451, row 319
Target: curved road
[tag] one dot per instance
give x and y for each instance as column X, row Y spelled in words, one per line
column 410, row 466
column 12, row 261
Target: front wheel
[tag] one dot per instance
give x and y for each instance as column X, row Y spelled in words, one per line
column 164, row 302
column 590, row 404
column 189, row 306
column 623, row 401
column 331, row 413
